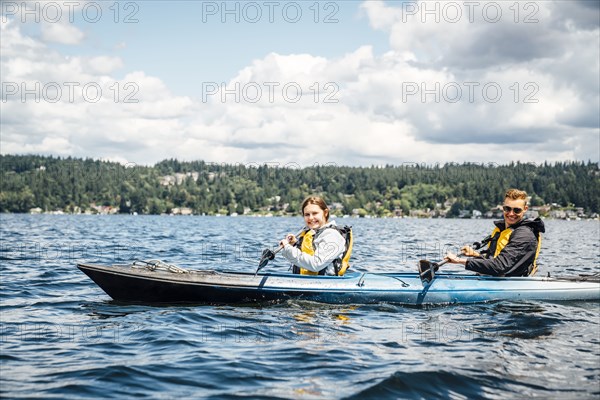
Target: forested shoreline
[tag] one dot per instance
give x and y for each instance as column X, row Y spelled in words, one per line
column 31, row 183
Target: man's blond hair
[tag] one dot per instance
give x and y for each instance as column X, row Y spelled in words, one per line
column 516, row 194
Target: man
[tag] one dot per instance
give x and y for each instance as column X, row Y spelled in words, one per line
column 514, row 244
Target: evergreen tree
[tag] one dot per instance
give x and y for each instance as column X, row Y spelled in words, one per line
column 52, row 183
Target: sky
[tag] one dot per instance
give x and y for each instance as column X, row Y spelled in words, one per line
column 302, row 83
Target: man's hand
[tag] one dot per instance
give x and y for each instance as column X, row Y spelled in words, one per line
column 469, row 252
column 454, row 259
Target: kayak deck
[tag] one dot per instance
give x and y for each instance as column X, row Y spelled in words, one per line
column 140, row 284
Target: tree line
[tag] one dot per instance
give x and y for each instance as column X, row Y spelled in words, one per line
column 55, row 183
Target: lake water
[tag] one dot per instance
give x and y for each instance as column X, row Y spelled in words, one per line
column 62, row 337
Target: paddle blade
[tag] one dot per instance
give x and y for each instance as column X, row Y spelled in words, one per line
column 267, row 255
column 426, row 271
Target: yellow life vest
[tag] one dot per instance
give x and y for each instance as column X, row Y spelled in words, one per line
column 306, row 246
column 344, row 262
column 500, row 240
column 341, row 264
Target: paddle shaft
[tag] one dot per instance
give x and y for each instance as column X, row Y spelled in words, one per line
column 428, row 274
column 296, row 236
column 264, row 261
column 427, row 269
column 278, row 249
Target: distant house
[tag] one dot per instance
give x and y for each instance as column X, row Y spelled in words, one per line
column 104, row 210
column 336, row 206
column 464, row 214
column 420, row 213
column 571, row 214
column 167, row 180
column 558, row 214
column 532, row 214
column 178, row 178
column 181, row 211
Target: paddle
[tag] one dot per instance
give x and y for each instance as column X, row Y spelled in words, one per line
column 427, row 270
column 427, row 273
column 268, row 255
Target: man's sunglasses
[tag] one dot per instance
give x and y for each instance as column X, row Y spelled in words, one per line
column 516, row 210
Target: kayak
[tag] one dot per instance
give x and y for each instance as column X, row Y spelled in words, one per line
column 163, row 283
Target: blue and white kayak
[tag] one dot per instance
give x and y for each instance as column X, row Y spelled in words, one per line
column 152, row 284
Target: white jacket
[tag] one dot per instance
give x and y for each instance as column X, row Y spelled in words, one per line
column 329, row 245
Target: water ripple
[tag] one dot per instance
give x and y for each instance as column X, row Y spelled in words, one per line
column 62, row 337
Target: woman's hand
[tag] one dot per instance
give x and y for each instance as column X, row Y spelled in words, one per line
column 290, row 238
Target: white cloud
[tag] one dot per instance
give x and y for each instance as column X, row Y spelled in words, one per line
column 104, row 65
column 356, row 109
column 540, row 78
column 61, row 32
column 15, row 44
column 380, row 15
column 49, row 145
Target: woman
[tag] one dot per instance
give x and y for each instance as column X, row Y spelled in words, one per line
column 320, row 248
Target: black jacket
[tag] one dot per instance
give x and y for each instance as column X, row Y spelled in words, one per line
column 516, row 258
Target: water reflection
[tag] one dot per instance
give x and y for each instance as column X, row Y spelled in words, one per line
column 525, row 320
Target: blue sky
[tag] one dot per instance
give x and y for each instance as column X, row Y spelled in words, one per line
column 361, row 83
column 186, row 41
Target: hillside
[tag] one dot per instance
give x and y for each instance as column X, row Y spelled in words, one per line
column 76, row 185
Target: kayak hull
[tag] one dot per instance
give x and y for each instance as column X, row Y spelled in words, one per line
column 139, row 284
